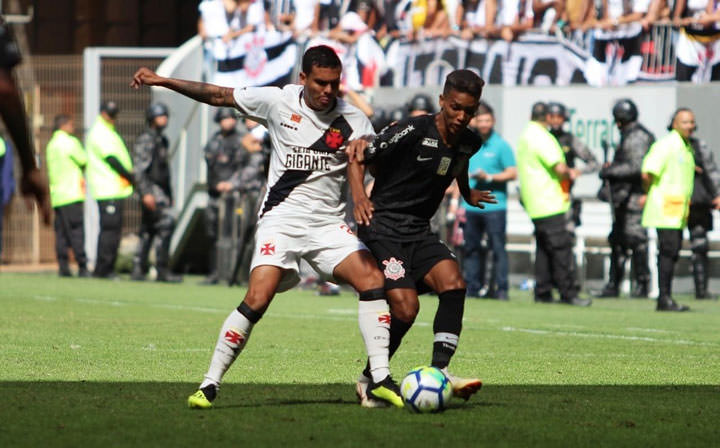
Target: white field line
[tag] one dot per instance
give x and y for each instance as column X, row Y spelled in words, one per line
column 608, row 336
column 346, row 314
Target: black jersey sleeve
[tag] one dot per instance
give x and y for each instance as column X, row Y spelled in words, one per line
column 402, row 133
column 9, row 52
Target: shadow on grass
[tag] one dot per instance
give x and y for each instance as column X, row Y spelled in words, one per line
column 155, row 414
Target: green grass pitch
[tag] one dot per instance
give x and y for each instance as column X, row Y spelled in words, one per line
column 87, row 362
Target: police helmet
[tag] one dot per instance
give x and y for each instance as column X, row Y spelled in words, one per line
column 421, row 102
column 397, row 114
column 225, row 112
column 557, row 109
column 625, row 111
column 156, row 110
column 110, row 107
column 379, row 119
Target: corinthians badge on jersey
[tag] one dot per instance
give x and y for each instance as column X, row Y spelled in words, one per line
column 444, row 165
column 394, row 269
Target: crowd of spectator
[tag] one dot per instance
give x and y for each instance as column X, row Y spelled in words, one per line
column 603, row 25
column 344, row 20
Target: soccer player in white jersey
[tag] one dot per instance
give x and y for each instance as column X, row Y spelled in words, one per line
column 302, row 213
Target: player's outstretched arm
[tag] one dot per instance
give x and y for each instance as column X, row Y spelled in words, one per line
column 472, row 196
column 199, row 91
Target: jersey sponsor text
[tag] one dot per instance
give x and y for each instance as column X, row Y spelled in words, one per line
column 307, row 160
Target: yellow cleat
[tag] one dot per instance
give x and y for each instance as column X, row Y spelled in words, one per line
column 198, row 401
column 386, row 390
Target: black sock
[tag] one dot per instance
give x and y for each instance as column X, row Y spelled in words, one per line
column 447, row 326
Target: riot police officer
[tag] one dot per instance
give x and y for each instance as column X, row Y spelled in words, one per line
column 152, row 178
column 705, row 197
column 574, row 149
column 251, row 186
column 420, row 104
column 625, row 194
column 225, row 156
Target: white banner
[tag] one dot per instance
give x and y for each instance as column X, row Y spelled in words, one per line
column 256, row 59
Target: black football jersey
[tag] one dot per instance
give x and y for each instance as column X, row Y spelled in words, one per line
column 413, row 167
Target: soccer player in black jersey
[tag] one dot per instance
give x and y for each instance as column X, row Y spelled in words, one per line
column 414, row 161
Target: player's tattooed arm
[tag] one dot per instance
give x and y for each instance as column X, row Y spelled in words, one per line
column 199, row 91
column 363, row 207
column 472, row 196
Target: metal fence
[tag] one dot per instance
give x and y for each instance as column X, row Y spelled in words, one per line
column 58, row 88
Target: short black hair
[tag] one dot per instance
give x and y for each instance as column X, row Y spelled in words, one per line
column 675, row 114
column 485, row 109
column 465, row 81
column 538, row 111
column 60, row 121
column 320, row 56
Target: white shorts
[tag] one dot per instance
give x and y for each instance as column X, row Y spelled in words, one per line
column 284, row 242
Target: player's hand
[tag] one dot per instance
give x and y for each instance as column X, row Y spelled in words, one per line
column 34, row 185
column 477, row 197
column 363, row 210
column 145, row 76
column 355, row 150
column 148, row 201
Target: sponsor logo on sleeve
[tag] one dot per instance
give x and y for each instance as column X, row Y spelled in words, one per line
column 430, row 142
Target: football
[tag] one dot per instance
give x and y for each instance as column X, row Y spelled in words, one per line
column 426, row 389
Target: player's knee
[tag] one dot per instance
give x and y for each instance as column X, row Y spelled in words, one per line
column 452, row 282
column 258, row 298
column 406, row 312
column 374, row 278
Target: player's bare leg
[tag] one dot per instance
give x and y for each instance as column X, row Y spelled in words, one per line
column 359, row 269
column 445, row 278
column 236, row 330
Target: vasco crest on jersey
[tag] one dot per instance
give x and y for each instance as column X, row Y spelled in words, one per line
column 334, row 138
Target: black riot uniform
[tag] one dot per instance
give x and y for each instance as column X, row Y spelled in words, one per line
column 251, row 189
column 624, row 193
column 225, row 156
column 152, row 177
column 700, row 220
column 574, row 150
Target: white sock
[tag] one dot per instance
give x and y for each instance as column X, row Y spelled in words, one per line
column 233, row 337
column 374, row 321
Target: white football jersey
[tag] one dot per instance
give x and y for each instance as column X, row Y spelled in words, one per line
column 307, row 174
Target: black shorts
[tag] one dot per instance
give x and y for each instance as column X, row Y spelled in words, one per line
column 405, row 263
